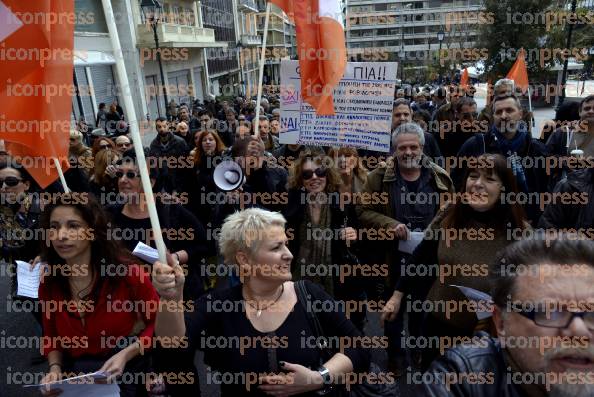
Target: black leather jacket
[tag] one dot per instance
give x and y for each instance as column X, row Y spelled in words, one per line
column 474, row 369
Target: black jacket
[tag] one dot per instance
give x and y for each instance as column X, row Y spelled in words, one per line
column 482, row 360
column 270, row 181
column 580, row 212
column 532, row 149
column 294, row 212
column 173, row 166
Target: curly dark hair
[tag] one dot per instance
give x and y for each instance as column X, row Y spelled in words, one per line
column 333, row 179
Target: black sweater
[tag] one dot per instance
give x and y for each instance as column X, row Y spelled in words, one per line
column 206, row 327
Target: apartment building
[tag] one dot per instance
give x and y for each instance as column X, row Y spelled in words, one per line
column 183, row 39
column 281, row 42
column 249, row 43
column 408, row 30
column 94, row 62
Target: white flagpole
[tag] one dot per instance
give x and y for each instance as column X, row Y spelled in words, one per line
column 61, row 175
column 134, row 129
column 530, row 106
column 261, row 76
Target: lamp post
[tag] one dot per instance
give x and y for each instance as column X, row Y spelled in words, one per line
column 152, row 10
column 402, row 54
column 239, row 47
column 566, row 62
column 440, row 36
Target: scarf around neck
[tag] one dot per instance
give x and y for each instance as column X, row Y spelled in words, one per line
column 509, row 148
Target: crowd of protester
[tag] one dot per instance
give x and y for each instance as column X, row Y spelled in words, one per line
column 311, row 226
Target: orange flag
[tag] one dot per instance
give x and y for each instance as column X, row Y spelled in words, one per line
column 464, row 79
column 321, row 49
column 518, row 73
column 37, row 38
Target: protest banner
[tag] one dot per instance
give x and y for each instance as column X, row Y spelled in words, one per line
column 363, row 102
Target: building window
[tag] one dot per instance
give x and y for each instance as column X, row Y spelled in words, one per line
column 94, row 20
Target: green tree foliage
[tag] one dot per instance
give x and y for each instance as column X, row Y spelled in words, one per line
column 515, row 24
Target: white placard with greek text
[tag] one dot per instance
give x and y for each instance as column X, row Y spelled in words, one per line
column 362, row 101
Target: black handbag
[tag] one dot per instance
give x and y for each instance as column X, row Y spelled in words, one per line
column 362, row 389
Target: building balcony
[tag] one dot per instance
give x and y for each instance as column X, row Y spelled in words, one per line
column 247, row 5
column 173, row 35
column 251, row 40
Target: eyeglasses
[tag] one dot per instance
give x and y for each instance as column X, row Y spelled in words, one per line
column 123, row 144
column 129, row 174
column 557, row 319
column 104, row 147
column 308, row 174
column 10, row 181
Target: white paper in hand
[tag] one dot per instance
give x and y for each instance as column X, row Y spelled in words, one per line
column 146, row 253
column 28, row 280
column 408, row 246
column 83, row 385
column 477, row 296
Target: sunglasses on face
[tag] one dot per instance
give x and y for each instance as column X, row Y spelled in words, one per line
column 10, row 181
column 308, row 174
column 129, row 174
column 104, row 147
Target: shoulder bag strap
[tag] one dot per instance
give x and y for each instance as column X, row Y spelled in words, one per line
column 305, row 300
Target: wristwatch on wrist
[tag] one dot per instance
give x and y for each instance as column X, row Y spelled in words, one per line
column 327, row 382
column 325, row 375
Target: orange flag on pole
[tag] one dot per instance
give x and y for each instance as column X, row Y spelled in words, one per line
column 518, row 73
column 37, row 39
column 464, row 79
column 321, row 49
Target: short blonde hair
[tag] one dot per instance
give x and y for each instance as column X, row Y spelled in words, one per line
column 244, row 230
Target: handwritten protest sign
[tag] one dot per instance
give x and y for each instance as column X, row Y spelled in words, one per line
column 363, row 102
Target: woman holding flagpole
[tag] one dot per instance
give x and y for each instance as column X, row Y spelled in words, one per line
column 267, row 312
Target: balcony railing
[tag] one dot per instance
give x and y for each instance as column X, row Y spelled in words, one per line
column 250, row 40
column 168, row 33
column 248, row 5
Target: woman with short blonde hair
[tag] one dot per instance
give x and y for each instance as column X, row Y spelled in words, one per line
column 267, row 304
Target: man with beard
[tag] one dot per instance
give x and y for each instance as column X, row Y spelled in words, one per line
column 578, row 135
column 463, row 125
column 411, row 181
column 543, row 293
column 509, row 137
column 502, row 88
column 170, row 151
column 227, row 128
column 192, row 122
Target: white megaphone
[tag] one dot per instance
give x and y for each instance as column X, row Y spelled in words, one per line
column 228, row 176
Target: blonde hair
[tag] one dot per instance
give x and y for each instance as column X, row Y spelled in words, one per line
column 244, row 231
column 102, row 160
